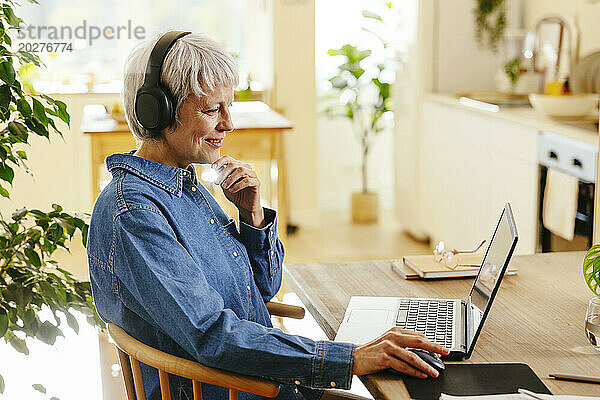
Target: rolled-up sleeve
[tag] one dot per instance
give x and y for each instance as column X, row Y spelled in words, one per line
column 266, row 252
column 158, row 276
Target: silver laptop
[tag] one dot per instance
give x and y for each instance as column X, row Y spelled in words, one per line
column 453, row 323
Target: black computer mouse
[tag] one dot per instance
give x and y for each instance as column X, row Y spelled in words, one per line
column 429, row 358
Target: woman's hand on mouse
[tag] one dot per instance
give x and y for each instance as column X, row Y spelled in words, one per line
column 389, row 351
column 241, row 186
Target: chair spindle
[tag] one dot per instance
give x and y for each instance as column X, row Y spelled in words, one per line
column 137, row 379
column 165, row 389
column 197, row 387
column 126, row 371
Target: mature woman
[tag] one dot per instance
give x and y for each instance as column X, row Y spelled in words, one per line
column 174, row 271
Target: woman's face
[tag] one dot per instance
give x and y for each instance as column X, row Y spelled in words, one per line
column 204, row 122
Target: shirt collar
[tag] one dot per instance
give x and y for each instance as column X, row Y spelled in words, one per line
column 164, row 176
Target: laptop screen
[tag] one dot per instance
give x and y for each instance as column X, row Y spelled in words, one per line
column 492, row 269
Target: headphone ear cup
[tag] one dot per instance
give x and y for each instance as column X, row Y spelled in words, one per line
column 154, row 108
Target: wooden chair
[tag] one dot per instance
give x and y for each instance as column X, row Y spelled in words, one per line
column 131, row 352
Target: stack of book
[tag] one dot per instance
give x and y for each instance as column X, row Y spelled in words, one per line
column 425, row 267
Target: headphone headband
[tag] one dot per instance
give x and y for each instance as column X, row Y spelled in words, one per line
column 158, row 54
column 154, row 106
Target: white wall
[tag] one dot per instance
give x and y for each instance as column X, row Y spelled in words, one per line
column 294, row 95
column 340, row 165
column 459, row 63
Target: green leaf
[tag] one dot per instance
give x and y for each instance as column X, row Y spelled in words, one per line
column 30, row 322
column 33, row 257
column 54, row 232
column 47, row 290
column 84, row 234
column 2, row 386
column 19, row 214
column 39, row 112
column 48, row 332
column 370, row 14
column 66, row 224
column 11, row 18
column 72, row 322
column 38, row 213
column 18, row 130
column 591, row 269
column 61, row 112
column 7, row 72
column 39, row 387
column 37, row 127
column 23, row 107
column 17, row 344
column 18, row 293
column 4, row 192
column 338, row 82
column 22, row 154
column 6, row 173
column 26, row 57
column 5, row 98
column 16, row 85
column 3, row 321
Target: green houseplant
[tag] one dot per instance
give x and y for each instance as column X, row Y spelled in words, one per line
column 490, row 22
column 362, row 95
column 30, row 281
column 591, row 269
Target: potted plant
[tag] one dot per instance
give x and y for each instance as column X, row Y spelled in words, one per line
column 29, row 278
column 591, row 269
column 363, row 96
column 490, row 22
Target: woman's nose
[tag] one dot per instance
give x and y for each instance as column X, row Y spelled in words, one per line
column 225, row 124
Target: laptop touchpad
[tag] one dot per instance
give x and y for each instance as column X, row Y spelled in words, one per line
column 370, row 316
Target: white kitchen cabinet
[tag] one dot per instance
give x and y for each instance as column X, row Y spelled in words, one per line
column 471, row 164
column 515, row 178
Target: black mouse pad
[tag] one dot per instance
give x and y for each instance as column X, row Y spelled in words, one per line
column 475, row 379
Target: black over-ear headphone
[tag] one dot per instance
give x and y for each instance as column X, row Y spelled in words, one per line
column 154, row 106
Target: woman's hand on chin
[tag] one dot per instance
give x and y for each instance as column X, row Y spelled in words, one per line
column 241, row 186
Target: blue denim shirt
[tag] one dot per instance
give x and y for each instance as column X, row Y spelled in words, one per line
column 173, row 270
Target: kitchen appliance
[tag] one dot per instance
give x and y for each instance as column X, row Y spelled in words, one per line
column 577, row 159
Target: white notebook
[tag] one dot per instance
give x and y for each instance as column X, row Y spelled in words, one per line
column 516, row 396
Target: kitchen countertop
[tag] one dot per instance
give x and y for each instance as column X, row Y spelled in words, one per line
column 526, row 116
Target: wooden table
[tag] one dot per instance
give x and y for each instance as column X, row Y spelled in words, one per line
column 257, row 137
column 537, row 317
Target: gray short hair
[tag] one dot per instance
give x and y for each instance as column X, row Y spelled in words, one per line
column 195, row 64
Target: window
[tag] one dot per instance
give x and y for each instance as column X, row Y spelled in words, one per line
column 102, row 34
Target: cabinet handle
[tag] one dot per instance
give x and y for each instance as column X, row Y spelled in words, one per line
column 576, row 163
column 553, row 155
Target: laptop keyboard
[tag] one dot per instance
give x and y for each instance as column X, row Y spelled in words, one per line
column 433, row 318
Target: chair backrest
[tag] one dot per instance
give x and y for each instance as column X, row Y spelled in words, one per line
column 131, row 352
